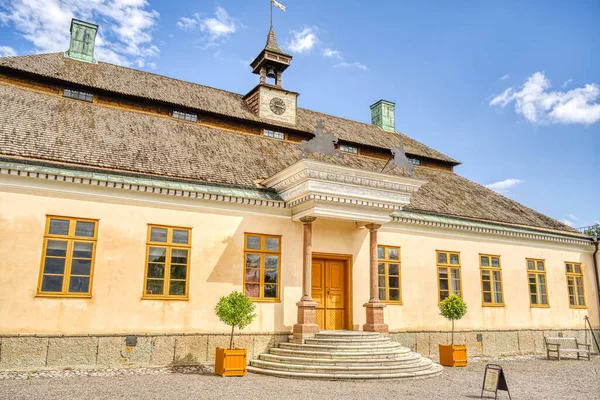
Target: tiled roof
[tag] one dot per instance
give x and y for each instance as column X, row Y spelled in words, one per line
column 131, row 82
column 46, row 127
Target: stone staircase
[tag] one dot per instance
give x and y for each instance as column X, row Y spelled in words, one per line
column 344, row 355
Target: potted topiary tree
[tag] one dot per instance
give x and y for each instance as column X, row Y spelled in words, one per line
column 451, row 355
column 234, row 310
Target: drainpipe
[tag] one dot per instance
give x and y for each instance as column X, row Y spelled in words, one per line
column 595, row 241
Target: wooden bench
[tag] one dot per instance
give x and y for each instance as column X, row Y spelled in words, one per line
column 558, row 345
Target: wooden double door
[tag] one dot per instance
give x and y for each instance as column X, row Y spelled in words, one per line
column 329, row 290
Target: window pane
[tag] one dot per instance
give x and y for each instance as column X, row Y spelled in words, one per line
column 454, row 259
column 456, row 287
column 540, row 265
column 442, row 258
column 271, row 276
column 79, row 284
column 497, row 288
column 83, row 250
column 533, row 299
column 394, row 269
column 178, row 272
column 177, row 288
column 56, row 248
column 394, row 295
column 543, row 299
column 54, row 266
column 569, row 268
column 272, row 244
column 496, row 276
column 572, row 300
column 498, row 297
column 443, row 295
column 181, row 236
column 443, row 284
column 581, row 300
column 81, row 267
column 253, row 242
column 253, row 275
column 487, row 297
column 485, row 261
column 495, row 262
column 270, row 291
column 271, row 262
column 156, row 271
column 455, row 273
column 394, row 282
column 158, row 235
column 85, row 229
column 252, row 290
column 382, row 294
column 380, row 252
column 530, row 264
column 487, row 286
column 157, row 254
column 154, row 286
column 52, row 283
column 443, row 273
column 393, row 254
column 381, row 281
column 577, row 268
column 59, row 226
column 381, row 268
column 485, row 274
column 179, row 256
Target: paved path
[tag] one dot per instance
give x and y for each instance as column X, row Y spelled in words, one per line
column 527, row 379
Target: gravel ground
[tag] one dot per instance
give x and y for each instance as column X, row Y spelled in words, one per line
column 527, row 377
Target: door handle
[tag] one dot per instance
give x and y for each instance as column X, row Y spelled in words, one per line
column 328, row 292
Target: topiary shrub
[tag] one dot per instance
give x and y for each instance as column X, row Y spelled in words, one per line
column 235, row 310
column 453, row 307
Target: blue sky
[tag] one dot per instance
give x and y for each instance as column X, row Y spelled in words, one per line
column 509, row 88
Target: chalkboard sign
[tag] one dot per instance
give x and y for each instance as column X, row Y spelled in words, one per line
column 494, row 380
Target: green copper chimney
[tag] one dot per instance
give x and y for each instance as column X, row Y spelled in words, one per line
column 383, row 115
column 83, row 36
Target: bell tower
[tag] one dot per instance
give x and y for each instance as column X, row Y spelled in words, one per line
column 268, row 99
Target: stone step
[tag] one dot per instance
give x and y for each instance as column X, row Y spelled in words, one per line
column 410, row 358
column 421, row 365
column 349, row 341
column 433, row 370
column 389, row 346
column 347, row 334
column 384, row 353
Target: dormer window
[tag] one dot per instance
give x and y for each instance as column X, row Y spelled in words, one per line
column 274, row 134
column 415, row 161
column 185, row 116
column 348, row 149
column 78, row 95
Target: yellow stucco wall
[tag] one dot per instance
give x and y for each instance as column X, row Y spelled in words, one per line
column 217, row 266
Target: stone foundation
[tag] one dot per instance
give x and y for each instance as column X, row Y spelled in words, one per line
column 34, row 352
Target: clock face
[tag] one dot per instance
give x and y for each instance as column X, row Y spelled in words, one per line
column 277, row 105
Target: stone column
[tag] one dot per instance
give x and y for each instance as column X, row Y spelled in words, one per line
column 374, row 307
column 307, row 307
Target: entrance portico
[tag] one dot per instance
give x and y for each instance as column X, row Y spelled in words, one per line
column 315, row 189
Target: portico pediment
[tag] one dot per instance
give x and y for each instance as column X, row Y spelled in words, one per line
column 322, row 189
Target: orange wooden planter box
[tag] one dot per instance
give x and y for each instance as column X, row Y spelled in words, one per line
column 230, row 362
column 452, row 355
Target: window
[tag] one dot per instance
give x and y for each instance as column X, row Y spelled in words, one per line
column 274, row 134
column 68, row 257
column 491, row 280
column 448, row 264
column 186, row 116
column 349, row 149
column 167, row 262
column 538, row 292
column 575, row 285
column 415, row 161
column 262, row 261
column 389, row 274
column 78, row 95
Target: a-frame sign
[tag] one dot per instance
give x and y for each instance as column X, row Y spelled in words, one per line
column 494, row 380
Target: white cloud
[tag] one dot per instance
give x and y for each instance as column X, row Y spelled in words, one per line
column 539, row 105
column 303, row 41
column 566, row 83
column 6, row 51
column 124, row 37
column 216, row 28
column 503, row 187
column 567, row 222
column 504, row 77
column 355, row 64
column 572, row 217
column 333, row 53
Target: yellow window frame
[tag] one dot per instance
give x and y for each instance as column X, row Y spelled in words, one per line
column 491, row 270
column 574, row 275
column 448, row 267
column 70, row 238
column 386, row 261
column 169, row 246
column 537, row 273
column 263, row 252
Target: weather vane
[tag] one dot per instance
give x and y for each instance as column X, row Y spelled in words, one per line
column 322, row 143
column 278, row 5
column 399, row 159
